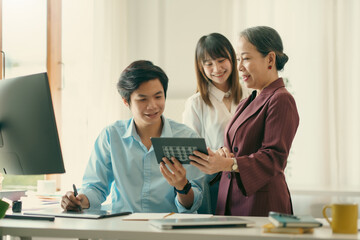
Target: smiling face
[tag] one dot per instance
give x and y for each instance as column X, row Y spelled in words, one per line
column 253, row 66
column 147, row 103
column 218, row 71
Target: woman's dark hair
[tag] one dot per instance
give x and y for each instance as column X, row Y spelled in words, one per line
column 215, row 46
column 266, row 39
column 137, row 73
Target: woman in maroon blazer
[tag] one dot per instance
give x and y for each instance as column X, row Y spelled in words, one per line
column 259, row 137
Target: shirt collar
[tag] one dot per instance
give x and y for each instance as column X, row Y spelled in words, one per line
column 278, row 83
column 217, row 93
column 131, row 129
column 166, row 131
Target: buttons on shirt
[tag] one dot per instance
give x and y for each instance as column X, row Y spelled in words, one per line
column 236, row 149
column 229, row 175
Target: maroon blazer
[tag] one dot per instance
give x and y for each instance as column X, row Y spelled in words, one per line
column 260, row 136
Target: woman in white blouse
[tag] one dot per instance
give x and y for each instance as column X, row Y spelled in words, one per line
column 218, row 93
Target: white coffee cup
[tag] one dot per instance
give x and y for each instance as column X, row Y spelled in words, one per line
column 46, row 186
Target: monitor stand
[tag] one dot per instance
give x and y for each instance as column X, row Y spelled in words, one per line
column 1, row 138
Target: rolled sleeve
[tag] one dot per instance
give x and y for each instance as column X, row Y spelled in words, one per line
column 93, row 196
column 198, row 196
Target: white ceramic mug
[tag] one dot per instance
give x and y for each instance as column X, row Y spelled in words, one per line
column 46, row 186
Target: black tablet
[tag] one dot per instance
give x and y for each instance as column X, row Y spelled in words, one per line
column 180, row 148
column 86, row 213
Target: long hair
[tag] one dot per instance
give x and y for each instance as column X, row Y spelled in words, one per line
column 215, row 46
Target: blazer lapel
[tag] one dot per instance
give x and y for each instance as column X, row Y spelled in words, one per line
column 228, row 133
column 247, row 110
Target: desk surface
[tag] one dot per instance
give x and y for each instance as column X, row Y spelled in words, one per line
column 115, row 228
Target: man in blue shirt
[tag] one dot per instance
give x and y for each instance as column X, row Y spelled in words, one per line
column 123, row 161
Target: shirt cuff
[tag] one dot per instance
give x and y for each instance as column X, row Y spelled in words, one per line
column 93, row 197
column 197, row 200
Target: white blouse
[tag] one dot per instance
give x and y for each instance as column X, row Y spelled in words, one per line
column 209, row 122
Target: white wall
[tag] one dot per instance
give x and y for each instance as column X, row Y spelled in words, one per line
column 94, row 54
column 166, row 32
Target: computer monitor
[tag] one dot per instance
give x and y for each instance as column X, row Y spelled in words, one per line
column 29, row 142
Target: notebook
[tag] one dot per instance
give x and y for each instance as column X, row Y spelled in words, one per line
column 86, row 213
column 270, row 228
column 286, row 220
column 215, row 221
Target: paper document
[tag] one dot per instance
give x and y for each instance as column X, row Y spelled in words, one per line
column 152, row 216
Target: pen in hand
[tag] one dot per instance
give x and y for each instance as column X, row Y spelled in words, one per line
column 75, row 194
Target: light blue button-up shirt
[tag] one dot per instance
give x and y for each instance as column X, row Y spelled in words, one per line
column 122, row 165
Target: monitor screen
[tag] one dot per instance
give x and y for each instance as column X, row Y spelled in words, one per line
column 29, row 142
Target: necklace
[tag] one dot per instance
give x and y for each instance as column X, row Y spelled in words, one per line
column 227, row 94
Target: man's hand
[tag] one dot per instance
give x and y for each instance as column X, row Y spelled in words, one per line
column 72, row 203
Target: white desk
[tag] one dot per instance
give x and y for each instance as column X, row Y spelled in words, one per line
column 115, row 228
